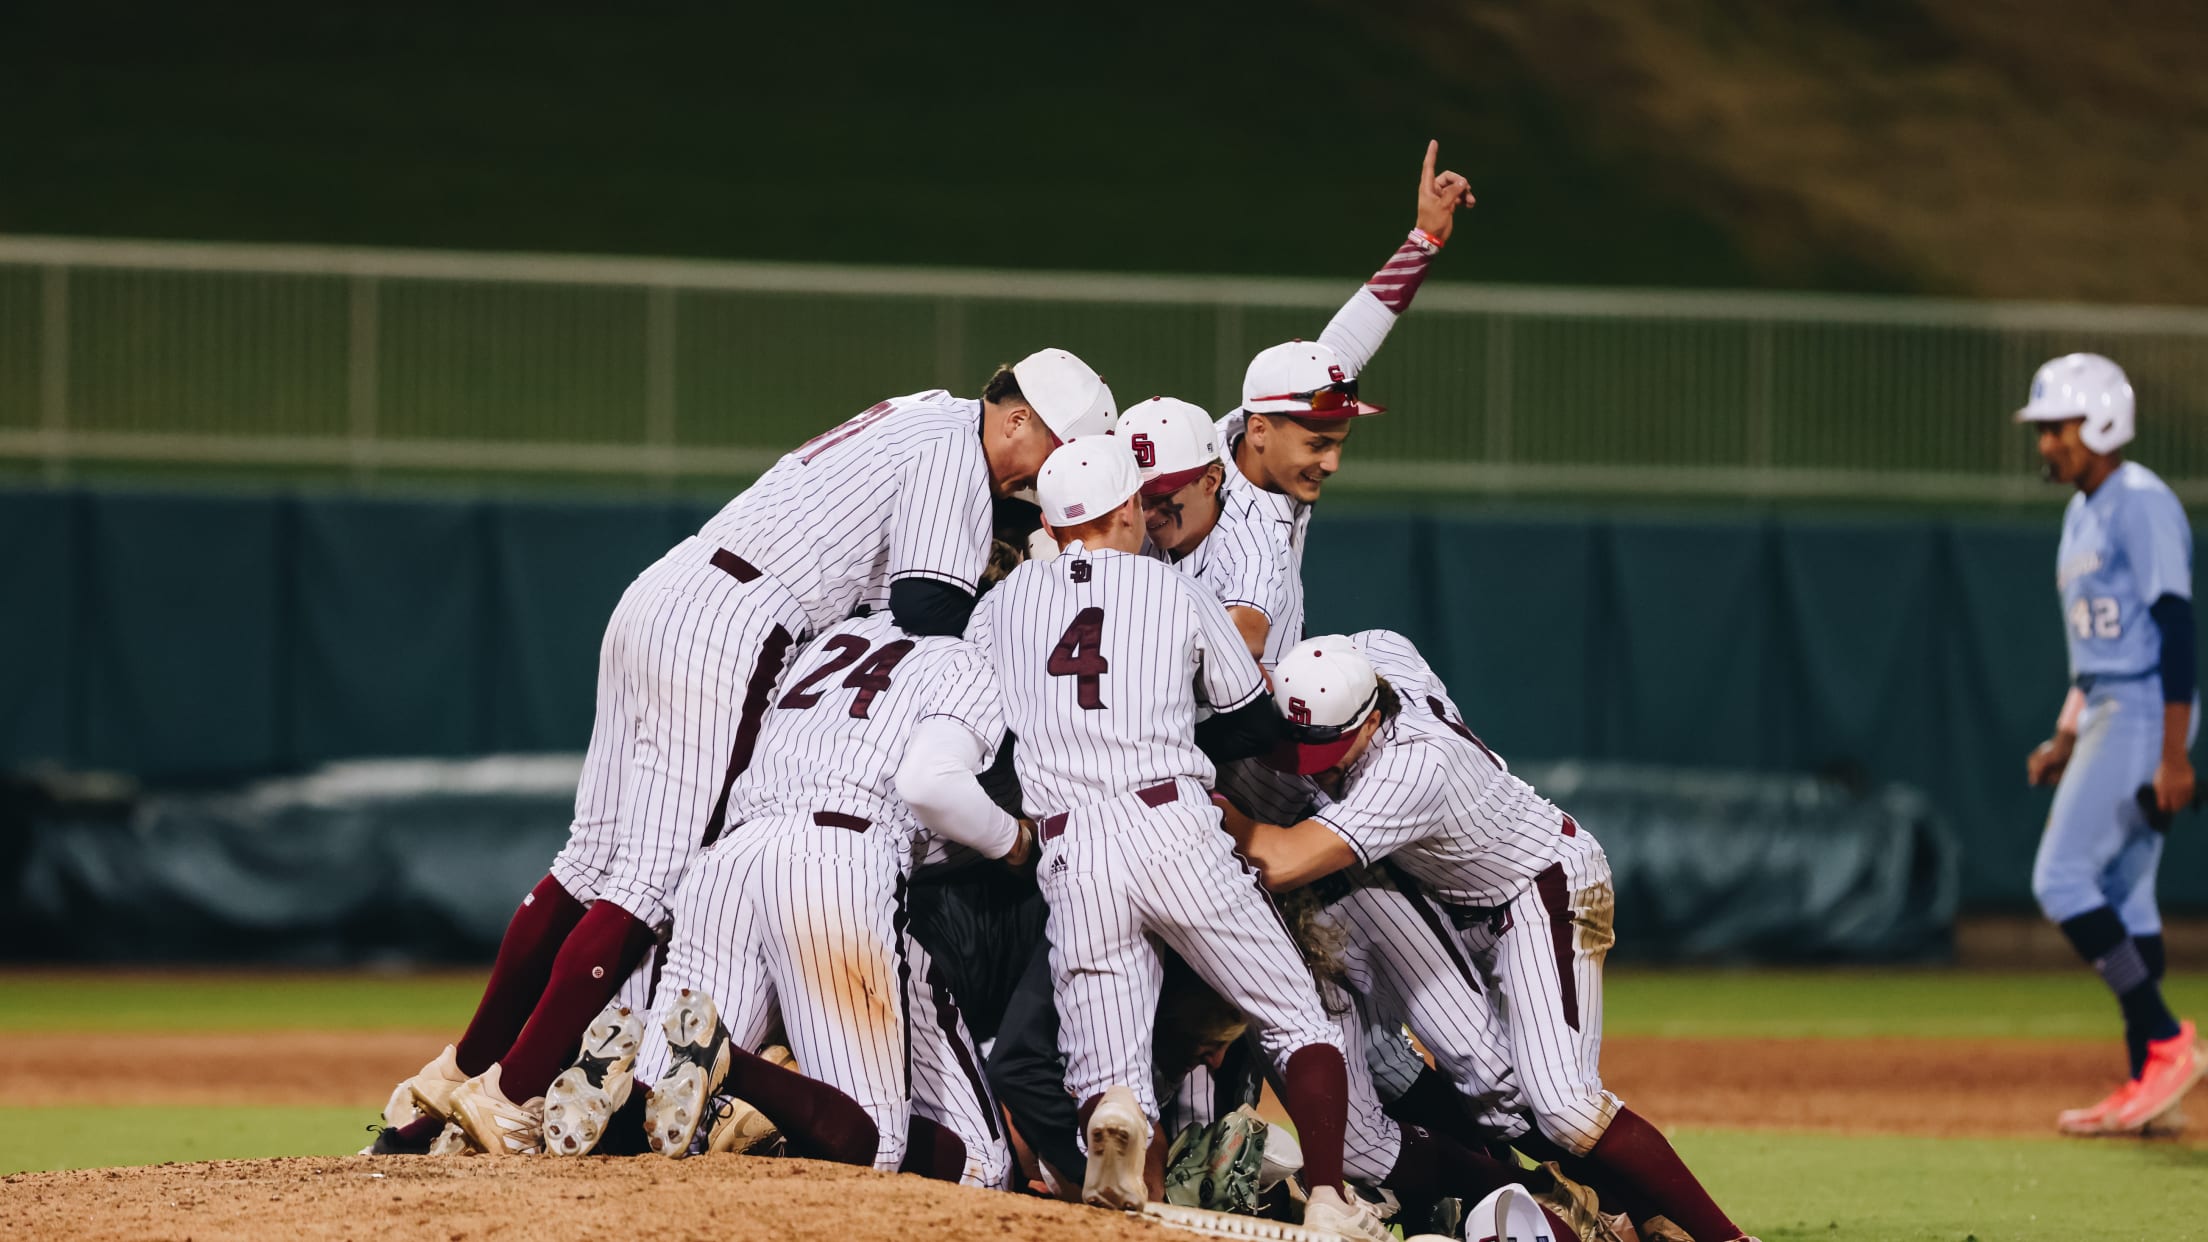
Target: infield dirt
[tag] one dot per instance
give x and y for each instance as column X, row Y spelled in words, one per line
column 1854, row 1086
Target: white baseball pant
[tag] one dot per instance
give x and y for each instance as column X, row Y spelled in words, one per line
column 1157, row 863
column 1543, row 954
column 685, row 674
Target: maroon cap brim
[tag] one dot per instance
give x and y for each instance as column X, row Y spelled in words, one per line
column 1310, row 758
column 1323, row 416
column 1167, row 484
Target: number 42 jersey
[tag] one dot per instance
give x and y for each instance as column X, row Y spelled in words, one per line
column 840, row 719
column 1103, row 658
column 2123, row 547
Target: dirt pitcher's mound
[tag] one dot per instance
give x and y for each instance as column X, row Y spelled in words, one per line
column 720, row 1198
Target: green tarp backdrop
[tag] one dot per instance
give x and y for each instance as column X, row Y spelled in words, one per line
column 188, row 637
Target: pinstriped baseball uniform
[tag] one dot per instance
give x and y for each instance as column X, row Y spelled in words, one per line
column 1254, row 557
column 802, row 900
column 1403, row 963
column 697, row 642
column 1525, row 889
column 1104, row 658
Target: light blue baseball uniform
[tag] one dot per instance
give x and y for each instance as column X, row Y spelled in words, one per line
column 2123, row 547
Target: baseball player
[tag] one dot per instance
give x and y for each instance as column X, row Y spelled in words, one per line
column 2125, row 574
column 1104, row 657
column 1399, row 779
column 890, row 509
column 1299, row 403
column 799, row 908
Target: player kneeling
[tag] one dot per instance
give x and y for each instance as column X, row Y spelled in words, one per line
column 1397, row 776
column 799, row 908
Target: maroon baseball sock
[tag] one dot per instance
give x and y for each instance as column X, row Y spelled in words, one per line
column 533, row 939
column 421, row 1129
column 819, row 1121
column 1635, row 1153
column 605, row 946
column 1616, row 1195
column 1315, row 1089
column 1430, row 1166
column 933, row 1150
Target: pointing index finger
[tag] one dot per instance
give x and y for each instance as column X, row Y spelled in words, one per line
column 1426, row 174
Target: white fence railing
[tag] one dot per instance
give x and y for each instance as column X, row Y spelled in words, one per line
column 374, row 363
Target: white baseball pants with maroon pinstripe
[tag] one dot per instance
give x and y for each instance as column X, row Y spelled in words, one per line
column 1544, row 955
column 1401, row 957
column 685, row 673
column 1122, row 871
column 786, row 914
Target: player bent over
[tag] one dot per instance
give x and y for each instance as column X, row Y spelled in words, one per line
column 800, row 907
column 1104, row 656
column 1398, row 777
column 891, row 508
column 2125, row 574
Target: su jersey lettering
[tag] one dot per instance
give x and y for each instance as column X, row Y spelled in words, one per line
column 841, row 718
column 1431, row 795
column 2123, row 547
column 902, row 490
column 1104, row 658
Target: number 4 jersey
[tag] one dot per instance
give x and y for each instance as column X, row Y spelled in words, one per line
column 1104, row 658
column 2123, row 547
column 840, row 719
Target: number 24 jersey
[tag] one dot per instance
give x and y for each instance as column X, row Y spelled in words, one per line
column 840, row 719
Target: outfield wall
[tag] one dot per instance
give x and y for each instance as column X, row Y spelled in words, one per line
column 188, row 637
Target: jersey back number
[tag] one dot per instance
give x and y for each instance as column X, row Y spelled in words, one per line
column 869, row 678
column 1080, row 655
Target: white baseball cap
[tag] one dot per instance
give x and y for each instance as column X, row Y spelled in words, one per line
column 1302, row 378
column 1172, row 441
column 2085, row 386
column 1072, row 398
column 1325, row 687
column 1086, row 478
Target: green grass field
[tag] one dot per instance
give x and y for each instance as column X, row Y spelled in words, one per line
column 1795, row 1186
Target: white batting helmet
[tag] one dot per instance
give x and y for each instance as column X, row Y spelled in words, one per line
column 2085, row 386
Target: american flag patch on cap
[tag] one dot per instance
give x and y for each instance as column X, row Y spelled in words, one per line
column 1074, row 511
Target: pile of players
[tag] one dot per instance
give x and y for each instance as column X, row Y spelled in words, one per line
column 886, row 759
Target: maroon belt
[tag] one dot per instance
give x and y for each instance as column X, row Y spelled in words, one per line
column 1163, row 794
column 837, row 819
column 733, row 565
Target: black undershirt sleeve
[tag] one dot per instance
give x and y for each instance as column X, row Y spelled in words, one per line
column 1252, row 729
column 930, row 606
column 2180, row 659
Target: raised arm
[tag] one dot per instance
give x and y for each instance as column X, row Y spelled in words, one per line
column 1359, row 329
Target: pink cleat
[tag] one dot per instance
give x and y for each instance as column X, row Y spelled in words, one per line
column 2173, row 1066
column 2094, row 1119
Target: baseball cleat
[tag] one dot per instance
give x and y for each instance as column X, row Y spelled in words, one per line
column 495, row 1124
column 2173, row 1066
column 2094, row 1119
column 1332, row 1211
column 739, row 1129
column 452, row 1141
column 587, row 1094
column 2169, row 1125
column 400, row 1108
column 432, row 1088
column 1119, row 1137
column 698, row 1057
